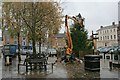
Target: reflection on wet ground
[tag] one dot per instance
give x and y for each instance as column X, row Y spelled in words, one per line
column 60, row 70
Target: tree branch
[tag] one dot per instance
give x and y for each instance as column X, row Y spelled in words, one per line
column 26, row 23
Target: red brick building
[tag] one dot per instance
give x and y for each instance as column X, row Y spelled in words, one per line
column 7, row 39
column 57, row 41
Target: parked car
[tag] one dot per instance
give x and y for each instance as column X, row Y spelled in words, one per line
column 104, row 50
column 99, row 49
column 20, row 50
column 9, row 50
column 27, row 49
column 52, row 52
column 113, row 50
column 24, row 49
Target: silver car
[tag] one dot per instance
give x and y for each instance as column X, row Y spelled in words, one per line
column 52, row 51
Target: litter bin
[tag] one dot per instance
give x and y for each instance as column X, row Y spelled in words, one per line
column 92, row 62
column 8, row 59
column 115, row 57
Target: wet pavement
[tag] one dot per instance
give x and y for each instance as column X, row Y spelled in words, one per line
column 105, row 71
column 77, row 71
column 60, row 70
column 12, row 71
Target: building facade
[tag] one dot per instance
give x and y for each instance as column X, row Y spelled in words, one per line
column 118, row 32
column 7, row 39
column 54, row 41
column 108, row 36
column 119, row 11
column 57, row 41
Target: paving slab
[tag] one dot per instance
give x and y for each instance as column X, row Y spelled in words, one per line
column 60, row 71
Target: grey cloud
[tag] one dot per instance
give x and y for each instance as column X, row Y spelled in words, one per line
column 95, row 13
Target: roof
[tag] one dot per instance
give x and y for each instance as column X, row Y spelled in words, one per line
column 108, row 27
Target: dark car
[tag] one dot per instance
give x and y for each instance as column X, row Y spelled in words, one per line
column 9, row 50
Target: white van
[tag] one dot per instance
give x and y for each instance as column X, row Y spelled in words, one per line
column 52, row 51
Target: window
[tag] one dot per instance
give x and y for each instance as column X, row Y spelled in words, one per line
column 23, row 43
column 107, row 31
column 59, row 44
column 56, row 44
column 15, row 42
column 105, row 37
column 108, row 37
column 7, row 41
column 105, row 44
column 24, row 38
column 114, row 36
column 111, row 36
column 111, row 30
column 15, row 37
column 114, row 29
column 101, row 38
column 30, row 42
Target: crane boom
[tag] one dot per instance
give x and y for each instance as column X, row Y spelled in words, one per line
column 68, row 56
column 68, row 35
column 69, row 46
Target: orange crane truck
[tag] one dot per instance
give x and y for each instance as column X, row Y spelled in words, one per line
column 68, row 35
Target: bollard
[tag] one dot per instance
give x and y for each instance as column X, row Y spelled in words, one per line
column 110, row 65
column 7, row 60
column 45, row 67
column 52, row 67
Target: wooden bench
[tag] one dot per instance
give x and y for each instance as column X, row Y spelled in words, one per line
column 41, row 63
column 31, row 62
column 28, row 65
column 21, row 64
column 24, row 63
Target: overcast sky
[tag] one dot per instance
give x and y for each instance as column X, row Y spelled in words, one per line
column 96, row 12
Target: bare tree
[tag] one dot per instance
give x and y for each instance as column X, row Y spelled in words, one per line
column 36, row 17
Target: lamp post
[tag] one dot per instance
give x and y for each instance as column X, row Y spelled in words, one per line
column 18, row 35
column 6, row 31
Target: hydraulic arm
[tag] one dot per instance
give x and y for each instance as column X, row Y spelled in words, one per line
column 68, row 35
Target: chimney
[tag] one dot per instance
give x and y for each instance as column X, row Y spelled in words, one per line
column 113, row 23
column 101, row 26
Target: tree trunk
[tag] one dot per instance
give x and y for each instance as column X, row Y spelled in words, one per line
column 19, row 55
column 33, row 44
column 2, row 30
column 39, row 47
column 33, row 31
